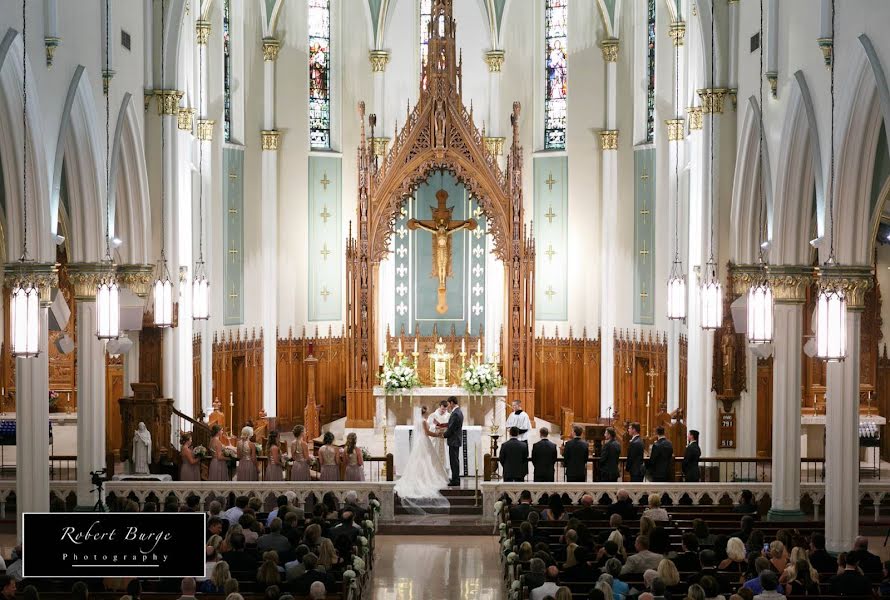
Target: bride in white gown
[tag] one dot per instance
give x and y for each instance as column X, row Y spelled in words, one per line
column 418, row 488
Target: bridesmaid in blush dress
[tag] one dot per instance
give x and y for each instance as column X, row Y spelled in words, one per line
column 355, row 470
column 190, row 470
column 274, row 468
column 329, row 459
column 247, row 470
column 219, row 468
column 299, row 451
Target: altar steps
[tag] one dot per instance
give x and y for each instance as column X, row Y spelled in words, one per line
column 461, row 502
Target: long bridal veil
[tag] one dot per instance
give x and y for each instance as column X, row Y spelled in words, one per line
column 418, row 488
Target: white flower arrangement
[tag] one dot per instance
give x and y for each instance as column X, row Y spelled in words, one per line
column 398, row 376
column 498, row 506
column 512, row 558
column 481, row 378
column 358, row 564
column 362, row 540
column 508, row 544
column 369, row 525
column 502, row 527
column 200, row 451
column 375, row 504
column 515, row 585
column 348, row 574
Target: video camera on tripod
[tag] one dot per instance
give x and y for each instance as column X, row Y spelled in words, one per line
column 98, row 479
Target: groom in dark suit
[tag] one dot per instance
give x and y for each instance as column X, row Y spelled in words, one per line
column 453, row 434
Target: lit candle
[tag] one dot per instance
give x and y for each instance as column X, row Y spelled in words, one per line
column 463, row 346
column 415, row 345
column 400, row 345
column 479, row 346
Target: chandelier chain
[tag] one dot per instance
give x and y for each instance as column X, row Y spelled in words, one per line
column 711, row 135
column 25, row 136
column 677, row 155
column 760, row 217
column 831, row 171
column 107, row 76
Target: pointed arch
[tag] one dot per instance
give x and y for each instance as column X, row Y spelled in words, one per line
column 12, row 133
column 130, row 201
column 747, row 184
column 799, row 176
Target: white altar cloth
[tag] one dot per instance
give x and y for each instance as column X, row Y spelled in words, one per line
column 812, row 433
column 403, row 409
column 471, row 451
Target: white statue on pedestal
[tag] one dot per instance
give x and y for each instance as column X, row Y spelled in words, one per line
column 141, row 450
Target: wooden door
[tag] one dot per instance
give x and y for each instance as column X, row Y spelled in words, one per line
column 239, row 395
column 765, row 407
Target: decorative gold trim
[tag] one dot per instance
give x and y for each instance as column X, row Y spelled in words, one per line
column 855, row 280
column 742, row 276
column 137, row 278
column 734, row 97
column 379, row 145
column 695, row 117
column 107, row 76
column 608, row 139
column 205, row 129
column 45, row 275
column 379, row 60
column 271, row 138
column 826, row 45
column 494, row 145
column 790, row 283
column 168, row 101
column 85, row 278
column 495, row 60
column 51, row 43
column 773, row 78
column 147, row 95
column 202, row 32
column 609, row 47
column 677, row 32
column 185, row 118
column 675, row 129
column 712, row 100
column 270, row 49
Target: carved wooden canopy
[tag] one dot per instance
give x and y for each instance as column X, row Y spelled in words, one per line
column 439, row 135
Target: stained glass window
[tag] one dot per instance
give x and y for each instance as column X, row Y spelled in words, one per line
column 426, row 15
column 227, row 70
column 650, row 71
column 556, row 60
column 320, row 74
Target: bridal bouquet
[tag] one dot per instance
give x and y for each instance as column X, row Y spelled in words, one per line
column 231, row 456
column 481, row 378
column 200, row 451
column 398, row 376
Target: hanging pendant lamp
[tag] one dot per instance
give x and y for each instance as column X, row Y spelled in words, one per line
column 108, row 308
column 711, row 291
column 200, row 283
column 676, row 292
column 831, row 303
column 163, row 286
column 25, row 296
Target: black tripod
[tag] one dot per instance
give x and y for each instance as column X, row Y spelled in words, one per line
column 99, row 482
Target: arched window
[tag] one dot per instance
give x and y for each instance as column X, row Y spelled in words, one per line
column 227, row 69
column 650, row 70
column 320, row 74
column 426, row 15
column 556, row 74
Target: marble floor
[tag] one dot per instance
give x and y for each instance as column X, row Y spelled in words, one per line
column 436, row 568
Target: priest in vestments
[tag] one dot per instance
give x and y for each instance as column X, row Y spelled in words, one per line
column 519, row 419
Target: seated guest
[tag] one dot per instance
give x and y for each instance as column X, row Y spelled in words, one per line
column 188, row 589
column 700, row 529
column 238, row 559
column 587, row 512
column 695, row 592
column 346, row 527
column 351, row 503
column 746, row 505
column 618, row 539
column 736, row 559
column 719, row 547
column 769, row 581
column 668, row 573
column 280, row 503
column 687, row 561
column 268, row 573
column 214, row 527
column 303, row 582
column 293, row 569
column 519, row 512
column 273, row 540
column 613, row 568
column 317, row 591
column 581, row 570
column 327, row 554
column 563, row 593
column 711, row 588
column 747, row 525
column 851, row 582
column 571, row 540
column 623, row 506
column 231, row 587
column 800, row 580
column 884, row 589
column 758, row 584
column 215, row 585
column 819, row 556
column 535, row 575
column 290, row 528
column 643, row 559
column 868, row 562
column 544, row 457
column 709, row 569
column 249, row 524
column 778, row 558
column 608, row 551
column 526, row 534
column 798, row 553
column 7, row 587
column 660, row 540
column 555, row 510
column 655, row 512
column 548, row 588
column 234, row 514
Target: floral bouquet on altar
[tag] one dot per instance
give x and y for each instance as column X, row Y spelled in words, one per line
column 398, row 376
column 200, row 452
column 481, row 378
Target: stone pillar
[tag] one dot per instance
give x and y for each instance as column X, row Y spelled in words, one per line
column 609, row 248
column 32, row 404
column 842, row 419
column 204, row 134
column 90, row 381
column 137, row 278
column 789, row 292
column 494, row 268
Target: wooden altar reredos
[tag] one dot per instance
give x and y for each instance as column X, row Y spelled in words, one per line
column 439, row 135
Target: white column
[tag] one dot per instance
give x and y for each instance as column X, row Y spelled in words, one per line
column 785, row 490
column 205, row 154
column 131, row 363
column 32, row 430
column 90, row 400
column 746, row 442
column 608, row 253
column 842, row 443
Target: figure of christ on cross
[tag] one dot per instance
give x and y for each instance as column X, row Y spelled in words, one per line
column 442, row 227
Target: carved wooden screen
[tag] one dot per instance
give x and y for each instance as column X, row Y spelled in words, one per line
column 567, row 375
column 330, row 377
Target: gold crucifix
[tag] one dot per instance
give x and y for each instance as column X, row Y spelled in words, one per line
column 324, row 214
column 325, row 252
column 644, row 176
column 643, row 295
column 644, row 212
column 233, row 295
column 233, row 252
column 550, row 214
column 550, row 293
column 233, row 175
column 644, row 252
column 325, row 181
column 233, row 211
column 325, row 293
column 550, row 252
column 550, row 181
column 442, row 227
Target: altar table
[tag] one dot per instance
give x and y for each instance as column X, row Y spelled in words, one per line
column 393, row 410
column 473, row 447
column 812, row 433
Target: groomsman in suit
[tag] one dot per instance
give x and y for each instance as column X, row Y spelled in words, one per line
column 609, row 454
column 514, row 457
column 544, row 457
column 453, row 435
column 635, row 454
column 661, row 458
column 575, row 453
column 690, row 458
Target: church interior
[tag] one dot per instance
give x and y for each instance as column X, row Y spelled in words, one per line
column 272, row 249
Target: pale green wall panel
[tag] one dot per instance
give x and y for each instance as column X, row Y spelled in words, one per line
column 644, row 236
column 325, row 239
column 233, row 235
column 551, row 237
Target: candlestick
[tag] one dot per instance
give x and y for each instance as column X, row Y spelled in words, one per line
column 400, row 346
column 478, row 347
column 415, row 346
column 414, row 355
column 463, row 347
